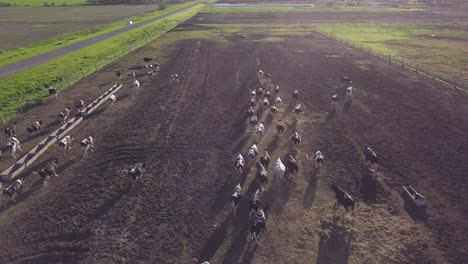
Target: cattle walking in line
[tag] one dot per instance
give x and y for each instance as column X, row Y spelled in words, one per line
column 296, row 95
column 250, row 112
column 136, row 84
column 48, row 171
column 235, row 198
column 64, row 115
column 13, row 145
column 239, row 164
column 278, row 101
column 34, row 127
column 343, row 198
column 174, row 78
column 298, row 109
column 112, row 100
column 349, row 94
column 120, row 73
column 253, row 152
column 261, row 176
column 12, row 192
column 135, row 173
column 346, row 80
column 334, row 101
column 252, row 102
column 318, row 158
column 265, row 103
column 65, row 144
column 277, row 89
column 254, row 203
column 292, row 168
column 52, row 92
column 10, row 130
column 260, row 130
column 370, row 157
column 132, row 75
column 258, row 225
column 87, row 144
column 80, row 105
column 295, row 138
column 268, row 95
column 273, row 110
column 280, row 128
column 253, row 121
column 279, row 169
column 265, row 159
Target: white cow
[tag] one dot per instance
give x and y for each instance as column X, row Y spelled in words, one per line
column 349, row 93
column 253, row 151
column 279, row 169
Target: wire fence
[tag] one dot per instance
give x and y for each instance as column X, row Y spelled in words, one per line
column 406, row 64
column 38, row 93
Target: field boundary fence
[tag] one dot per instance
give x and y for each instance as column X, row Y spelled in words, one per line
column 74, row 73
column 59, row 133
column 396, row 60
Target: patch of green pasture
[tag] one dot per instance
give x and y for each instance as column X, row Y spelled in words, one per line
column 41, row 3
column 22, row 53
column 436, row 47
column 29, row 85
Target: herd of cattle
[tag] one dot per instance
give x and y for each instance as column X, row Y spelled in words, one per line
column 12, row 190
column 284, row 171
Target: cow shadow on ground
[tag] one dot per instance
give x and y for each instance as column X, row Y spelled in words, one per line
column 368, row 184
column 278, row 195
column 309, row 195
column 335, row 245
column 330, row 115
column 108, row 205
column 37, row 185
column 239, row 233
column 106, row 83
column 347, row 106
column 223, row 195
column 36, row 135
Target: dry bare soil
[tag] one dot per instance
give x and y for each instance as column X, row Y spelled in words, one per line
column 190, row 133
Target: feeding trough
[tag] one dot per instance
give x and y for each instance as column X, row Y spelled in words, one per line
column 417, row 198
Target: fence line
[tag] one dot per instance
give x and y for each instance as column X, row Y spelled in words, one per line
column 74, row 74
column 393, row 59
column 47, row 142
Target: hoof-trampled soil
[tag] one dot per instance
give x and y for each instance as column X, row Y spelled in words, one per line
column 190, row 133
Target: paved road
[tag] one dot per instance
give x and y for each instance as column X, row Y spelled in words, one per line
column 42, row 58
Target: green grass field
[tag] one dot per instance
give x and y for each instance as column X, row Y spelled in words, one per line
column 285, row 9
column 18, row 54
column 445, row 53
column 41, row 3
column 28, row 86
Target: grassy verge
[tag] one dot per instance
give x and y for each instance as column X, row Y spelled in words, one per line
column 18, row 54
column 436, row 48
column 286, row 9
column 42, row 3
column 27, row 88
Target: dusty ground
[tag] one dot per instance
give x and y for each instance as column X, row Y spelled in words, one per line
column 23, row 25
column 190, row 134
column 459, row 19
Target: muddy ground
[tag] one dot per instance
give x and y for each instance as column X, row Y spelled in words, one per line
column 190, row 133
column 459, row 19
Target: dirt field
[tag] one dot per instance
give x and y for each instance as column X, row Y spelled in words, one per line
column 459, row 19
column 190, row 133
column 20, row 26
